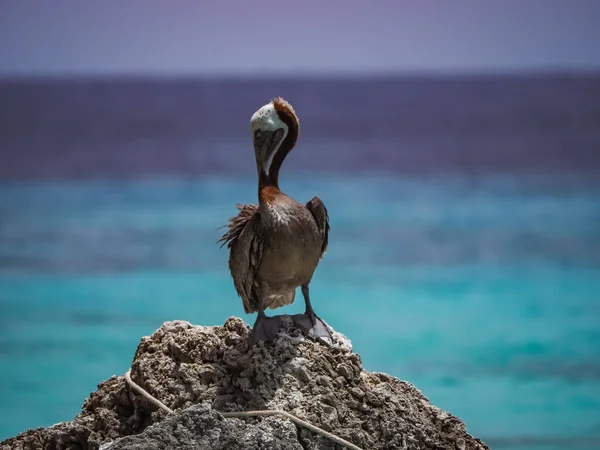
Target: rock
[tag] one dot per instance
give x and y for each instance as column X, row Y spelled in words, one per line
column 202, row 371
column 64, row 435
column 201, row 428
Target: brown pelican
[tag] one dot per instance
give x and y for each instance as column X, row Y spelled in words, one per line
column 275, row 246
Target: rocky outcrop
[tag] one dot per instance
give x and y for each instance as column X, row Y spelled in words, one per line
column 202, row 371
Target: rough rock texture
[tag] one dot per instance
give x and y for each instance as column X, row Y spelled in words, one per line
column 64, row 435
column 201, row 428
column 184, row 365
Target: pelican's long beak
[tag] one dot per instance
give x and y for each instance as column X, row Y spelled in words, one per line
column 266, row 144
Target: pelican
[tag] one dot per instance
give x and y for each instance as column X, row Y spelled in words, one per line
column 275, row 246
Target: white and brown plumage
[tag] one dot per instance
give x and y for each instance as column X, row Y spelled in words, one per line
column 275, row 246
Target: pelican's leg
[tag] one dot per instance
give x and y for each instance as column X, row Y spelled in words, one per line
column 265, row 328
column 309, row 322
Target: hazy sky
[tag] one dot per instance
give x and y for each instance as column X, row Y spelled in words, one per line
column 225, row 36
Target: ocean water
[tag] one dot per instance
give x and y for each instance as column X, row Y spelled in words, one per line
column 464, row 253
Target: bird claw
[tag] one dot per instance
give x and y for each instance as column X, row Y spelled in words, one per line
column 313, row 326
column 265, row 329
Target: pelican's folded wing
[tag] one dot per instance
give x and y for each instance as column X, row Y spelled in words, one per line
column 237, row 223
column 319, row 212
column 246, row 246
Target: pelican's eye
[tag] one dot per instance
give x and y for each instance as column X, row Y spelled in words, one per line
column 258, row 134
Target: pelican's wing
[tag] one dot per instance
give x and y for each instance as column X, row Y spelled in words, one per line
column 245, row 244
column 236, row 224
column 319, row 212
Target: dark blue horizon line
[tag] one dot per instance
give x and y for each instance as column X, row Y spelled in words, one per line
column 586, row 174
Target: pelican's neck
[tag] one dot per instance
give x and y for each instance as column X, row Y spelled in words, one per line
column 270, row 181
column 268, row 185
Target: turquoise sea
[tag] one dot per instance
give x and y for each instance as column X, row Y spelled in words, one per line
column 474, row 274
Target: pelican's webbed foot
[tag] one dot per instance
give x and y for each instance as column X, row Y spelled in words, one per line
column 265, row 329
column 313, row 326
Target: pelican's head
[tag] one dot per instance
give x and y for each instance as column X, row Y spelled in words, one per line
column 274, row 133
